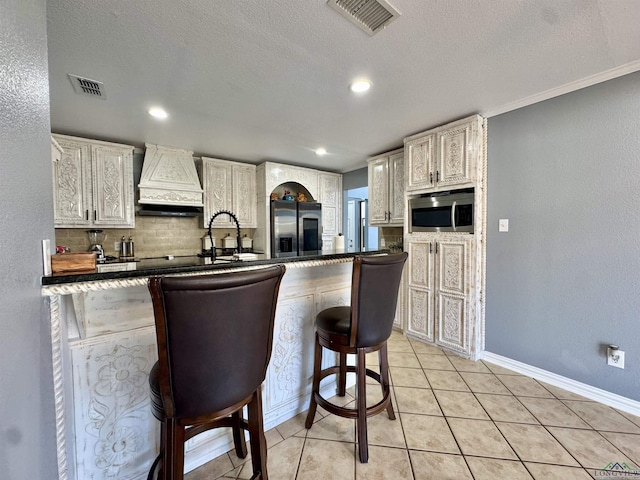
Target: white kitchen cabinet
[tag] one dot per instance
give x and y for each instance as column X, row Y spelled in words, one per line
column 229, row 186
column 439, row 297
column 444, row 157
column 324, row 187
column 386, row 189
column 398, row 321
column 93, row 184
column 330, row 195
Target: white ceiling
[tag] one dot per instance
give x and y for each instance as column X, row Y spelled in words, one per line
column 256, row 80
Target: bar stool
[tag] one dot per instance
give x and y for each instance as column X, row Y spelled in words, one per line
column 362, row 328
column 214, row 336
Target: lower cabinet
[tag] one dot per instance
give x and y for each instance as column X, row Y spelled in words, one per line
column 439, row 298
column 116, row 435
column 398, row 321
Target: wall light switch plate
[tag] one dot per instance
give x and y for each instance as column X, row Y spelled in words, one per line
column 503, row 225
column 46, row 256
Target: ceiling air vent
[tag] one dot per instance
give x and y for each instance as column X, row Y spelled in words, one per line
column 370, row 15
column 85, row 86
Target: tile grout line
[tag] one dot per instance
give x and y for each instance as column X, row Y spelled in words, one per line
column 541, row 424
column 487, row 413
column 448, row 425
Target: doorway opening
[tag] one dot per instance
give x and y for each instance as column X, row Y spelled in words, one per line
column 359, row 237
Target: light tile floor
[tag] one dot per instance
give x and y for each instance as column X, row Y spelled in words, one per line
column 455, row 419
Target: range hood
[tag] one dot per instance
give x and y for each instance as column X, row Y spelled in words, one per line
column 169, row 184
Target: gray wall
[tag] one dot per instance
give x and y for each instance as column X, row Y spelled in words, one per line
column 27, row 432
column 563, row 282
column 355, row 179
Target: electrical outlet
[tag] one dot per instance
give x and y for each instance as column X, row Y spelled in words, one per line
column 116, row 246
column 615, row 357
column 503, row 225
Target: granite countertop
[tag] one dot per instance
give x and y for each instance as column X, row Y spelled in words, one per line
column 170, row 265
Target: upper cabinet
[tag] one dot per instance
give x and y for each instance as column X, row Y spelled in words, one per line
column 92, row 184
column 444, row 157
column 386, row 189
column 330, row 196
column 229, row 186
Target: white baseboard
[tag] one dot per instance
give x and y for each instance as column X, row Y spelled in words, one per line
column 616, row 401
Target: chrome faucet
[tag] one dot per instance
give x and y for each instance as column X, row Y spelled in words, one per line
column 238, row 241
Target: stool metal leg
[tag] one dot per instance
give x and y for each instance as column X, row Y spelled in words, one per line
column 361, row 402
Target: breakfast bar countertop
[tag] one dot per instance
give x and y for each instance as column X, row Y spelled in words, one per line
column 103, row 331
column 187, row 264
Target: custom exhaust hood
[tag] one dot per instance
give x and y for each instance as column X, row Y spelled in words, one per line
column 169, row 184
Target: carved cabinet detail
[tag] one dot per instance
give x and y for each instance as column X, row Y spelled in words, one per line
column 444, row 157
column 330, row 195
column 115, row 432
column 93, row 184
column 291, row 362
column 386, row 189
column 229, row 186
column 438, row 289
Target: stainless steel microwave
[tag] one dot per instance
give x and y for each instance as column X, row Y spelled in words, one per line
column 450, row 211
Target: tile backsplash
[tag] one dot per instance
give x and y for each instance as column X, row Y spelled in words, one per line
column 391, row 238
column 152, row 237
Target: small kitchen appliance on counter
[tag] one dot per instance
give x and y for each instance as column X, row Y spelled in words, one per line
column 96, row 240
column 207, row 244
column 247, row 244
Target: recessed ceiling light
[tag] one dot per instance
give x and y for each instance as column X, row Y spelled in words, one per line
column 360, row 86
column 320, row 151
column 158, row 113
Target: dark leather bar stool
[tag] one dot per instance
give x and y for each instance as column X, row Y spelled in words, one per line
column 362, row 328
column 214, row 337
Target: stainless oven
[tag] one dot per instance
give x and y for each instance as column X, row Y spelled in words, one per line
column 450, row 211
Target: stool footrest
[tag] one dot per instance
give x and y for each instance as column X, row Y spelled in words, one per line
column 350, row 368
column 351, row 412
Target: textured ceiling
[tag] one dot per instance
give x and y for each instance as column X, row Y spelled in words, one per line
column 256, row 80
